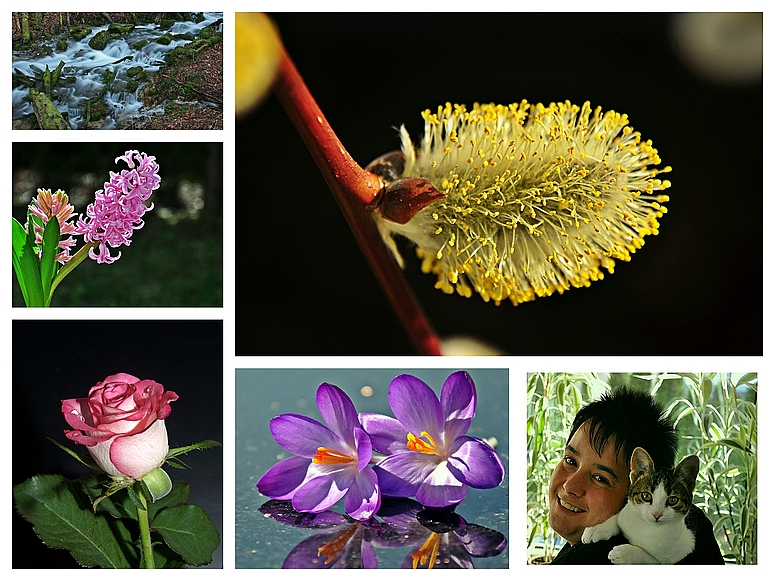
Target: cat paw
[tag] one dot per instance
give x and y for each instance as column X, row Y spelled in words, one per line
column 593, row 535
column 630, row 555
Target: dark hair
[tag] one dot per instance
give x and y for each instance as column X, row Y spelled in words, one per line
column 633, row 419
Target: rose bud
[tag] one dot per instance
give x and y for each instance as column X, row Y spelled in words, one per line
column 122, row 425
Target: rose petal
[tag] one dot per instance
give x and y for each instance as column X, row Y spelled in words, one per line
column 363, row 499
column 458, row 404
column 281, row 480
column 338, row 412
column 303, row 436
column 322, row 492
column 135, row 456
column 388, row 435
column 475, row 462
column 416, row 406
column 401, row 474
column 441, row 488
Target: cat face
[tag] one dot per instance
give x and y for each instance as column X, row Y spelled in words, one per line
column 661, row 495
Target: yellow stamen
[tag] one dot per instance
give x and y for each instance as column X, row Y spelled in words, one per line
column 333, row 547
column 428, row 552
column 415, row 444
column 329, row 456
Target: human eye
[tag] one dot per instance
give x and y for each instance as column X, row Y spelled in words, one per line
column 569, row 460
column 601, row 479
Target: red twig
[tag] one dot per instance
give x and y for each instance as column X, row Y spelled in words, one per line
column 354, row 188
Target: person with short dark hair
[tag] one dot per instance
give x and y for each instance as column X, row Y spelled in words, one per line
column 590, row 483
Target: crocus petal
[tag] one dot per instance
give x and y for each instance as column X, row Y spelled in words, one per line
column 401, row 474
column 441, row 488
column 322, row 492
column 416, row 406
column 281, row 480
column 475, row 462
column 481, row 541
column 387, row 434
column 363, row 446
column 363, row 499
column 338, row 412
column 458, row 403
column 303, row 436
column 369, row 556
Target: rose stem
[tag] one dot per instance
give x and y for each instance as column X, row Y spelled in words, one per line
column 354, row 188
column 145, row 531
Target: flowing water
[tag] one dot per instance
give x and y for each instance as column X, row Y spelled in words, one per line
column 88, row 67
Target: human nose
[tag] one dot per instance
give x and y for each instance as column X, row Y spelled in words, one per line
column 574, row 484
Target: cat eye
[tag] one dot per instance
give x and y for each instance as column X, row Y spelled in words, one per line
column 672, row 500
column 646, row 496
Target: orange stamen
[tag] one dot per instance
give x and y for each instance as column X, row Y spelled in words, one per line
column 333, row 547
column 415, row 444
column 329, row 456
column 428, row 552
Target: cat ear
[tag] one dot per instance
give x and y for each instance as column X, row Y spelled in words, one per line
column 640, row 464
column 687, row 471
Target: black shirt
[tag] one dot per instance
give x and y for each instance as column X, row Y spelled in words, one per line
column 706, row 550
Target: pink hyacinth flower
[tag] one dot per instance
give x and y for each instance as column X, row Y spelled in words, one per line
column 118, row 209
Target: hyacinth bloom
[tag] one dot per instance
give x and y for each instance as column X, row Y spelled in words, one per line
column 118, row 209
column 536, row 199
column 44, row 207
column 429, row 455
column 328, row 463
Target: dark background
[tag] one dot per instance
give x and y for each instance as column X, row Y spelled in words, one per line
column 303, row 286
column 175, row 259
column 184, row 356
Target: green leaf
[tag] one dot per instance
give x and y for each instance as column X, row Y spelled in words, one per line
column 26, row 266
column 84, row 459
column 63, row 519
column 166, row 558
column 186, row 449
column 48, row 253
column 189, row 532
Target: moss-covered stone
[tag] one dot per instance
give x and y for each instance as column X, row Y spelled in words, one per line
column 137, row 72
column 62, row 45
column 100, row 40
column 46, row 113
column 79, row 32
column 140, row 44
column 164, row 39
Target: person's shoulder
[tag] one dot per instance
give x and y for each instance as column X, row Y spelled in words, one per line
column 706, row 550
column 591, row 554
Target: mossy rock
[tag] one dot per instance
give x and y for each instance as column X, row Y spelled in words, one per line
column 184, row 36
column 79, row 32
column 100, row 40
column 165, row 39
column 108, row 76
column 137, row 73
column 120, row 29
column 131, row 85
column 168, row 23
column 62, row 45
column 46, row 113
column 140, row 44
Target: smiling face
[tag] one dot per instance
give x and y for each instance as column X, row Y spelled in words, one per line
column 586, row 488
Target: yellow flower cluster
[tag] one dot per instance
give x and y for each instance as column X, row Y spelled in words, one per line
column 538, row 198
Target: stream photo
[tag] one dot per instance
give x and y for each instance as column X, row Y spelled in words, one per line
column 100, row 70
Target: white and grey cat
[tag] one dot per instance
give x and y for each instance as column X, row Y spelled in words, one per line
column 653, row 520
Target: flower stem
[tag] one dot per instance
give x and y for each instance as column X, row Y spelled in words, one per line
column 145, row 531
column 68, row 267
column 354, row 189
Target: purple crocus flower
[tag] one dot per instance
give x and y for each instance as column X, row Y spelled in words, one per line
column 429, row 455
column 329, row 463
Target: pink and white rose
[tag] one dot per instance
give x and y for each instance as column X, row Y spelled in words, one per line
column 122, row 425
